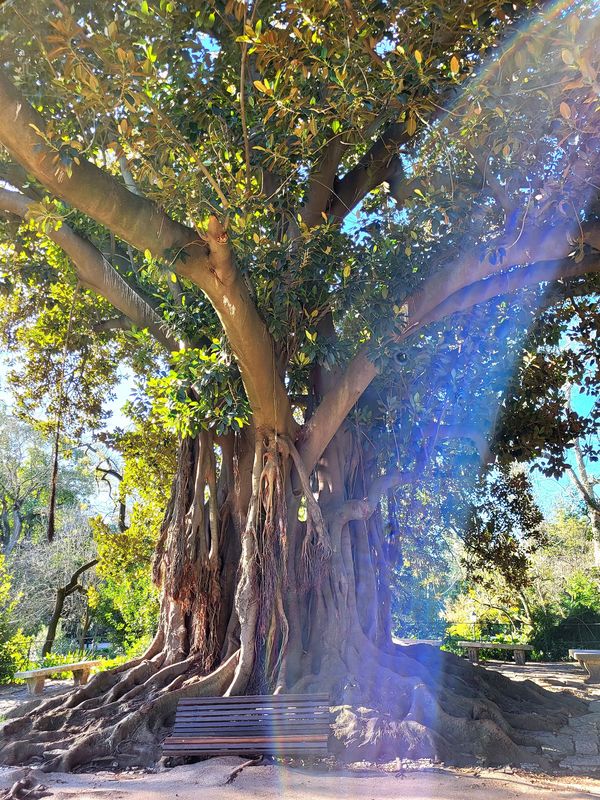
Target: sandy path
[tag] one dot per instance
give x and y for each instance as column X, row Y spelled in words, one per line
column 206, row 781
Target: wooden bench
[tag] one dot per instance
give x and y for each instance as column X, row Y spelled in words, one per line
column 36, row 677
column 257, row 725
column 473, row 649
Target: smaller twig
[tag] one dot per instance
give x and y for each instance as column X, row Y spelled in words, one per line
column 253, row 762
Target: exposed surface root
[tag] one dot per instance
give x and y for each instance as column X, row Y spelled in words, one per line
column 441, row 708
column 25, row 789
column 119, row 717
column 253, row 762
column 414, row 703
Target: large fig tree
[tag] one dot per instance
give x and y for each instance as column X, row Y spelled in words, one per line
column 340, row 218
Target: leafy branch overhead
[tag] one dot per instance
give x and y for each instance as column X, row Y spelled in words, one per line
column 260, row 171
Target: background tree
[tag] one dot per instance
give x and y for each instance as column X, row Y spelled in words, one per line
column 24, row 480
column 554, row 603
column 47, row 574
column 586, row 483
column 342, row 219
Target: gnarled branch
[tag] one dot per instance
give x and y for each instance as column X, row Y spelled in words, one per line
column 338, row 402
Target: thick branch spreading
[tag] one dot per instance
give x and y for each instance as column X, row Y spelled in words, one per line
column 208, row 263
column 338, row 402
column 380, row 163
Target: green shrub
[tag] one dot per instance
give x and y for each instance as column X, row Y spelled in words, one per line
column 14, row 645
column 14, row 655
column 553, row 637
column 574, row 621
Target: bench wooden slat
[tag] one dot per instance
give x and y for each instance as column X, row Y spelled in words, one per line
column 248, row 750
column 244, row 744
column 220, row 716
column 258, row 698
column 255, row 708
column 235, row 733
column 246, row 715
column 259, row 724
column 307, row 737
column 256, row 704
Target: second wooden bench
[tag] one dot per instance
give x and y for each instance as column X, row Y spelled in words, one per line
column 36, row 677
column 473, row 649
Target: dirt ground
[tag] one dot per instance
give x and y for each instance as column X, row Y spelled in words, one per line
column 207, row 780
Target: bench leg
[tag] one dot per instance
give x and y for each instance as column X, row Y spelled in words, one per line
column 80, row 676
column 473, row 655
column 593, row 671
column 35, row 686
column 520, row 657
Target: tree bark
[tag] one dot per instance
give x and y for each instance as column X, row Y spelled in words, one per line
column 59, row 603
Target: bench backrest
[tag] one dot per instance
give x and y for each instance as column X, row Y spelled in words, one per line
column 257, row 716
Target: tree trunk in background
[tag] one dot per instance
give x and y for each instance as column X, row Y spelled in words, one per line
column 61, row 595
column 59, row 603
column 87, row 618
column 16, row 531
column 595, row 523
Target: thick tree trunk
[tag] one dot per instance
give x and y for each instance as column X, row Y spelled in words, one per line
column 272, row 583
